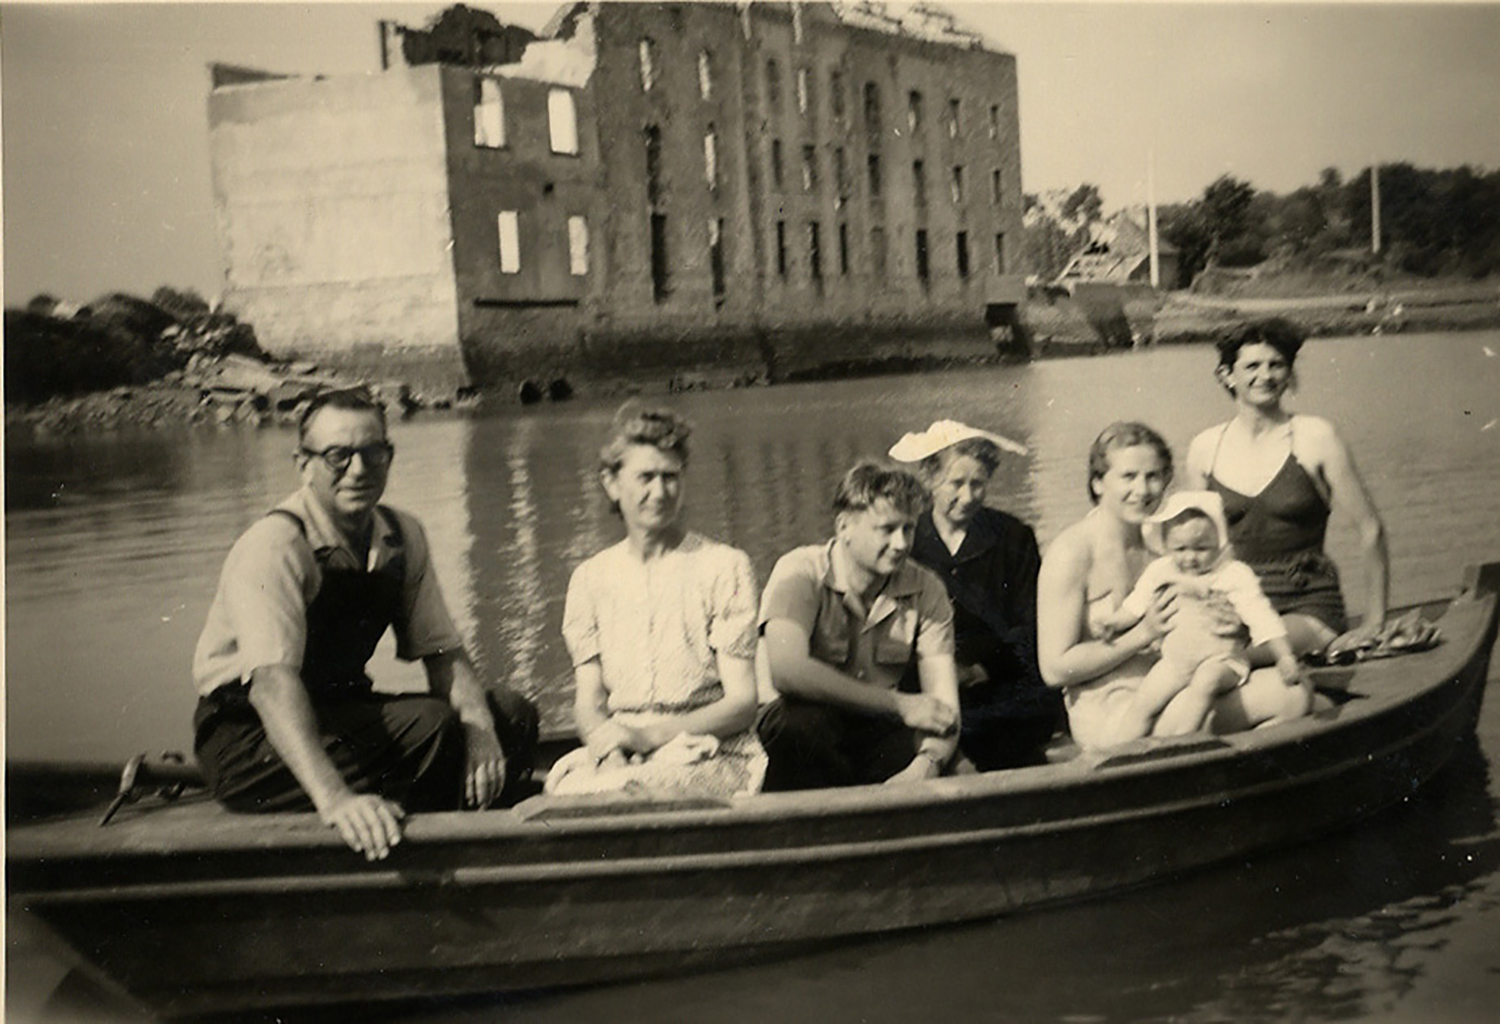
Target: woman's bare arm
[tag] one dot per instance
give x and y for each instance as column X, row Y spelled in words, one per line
column 1336, row 462
column 1066, row 655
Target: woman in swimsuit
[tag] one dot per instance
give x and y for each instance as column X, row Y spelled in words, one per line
column 1089, row 569
column 1278, row 474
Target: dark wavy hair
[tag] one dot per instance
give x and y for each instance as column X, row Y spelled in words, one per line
column 1281, row 334
column 1124, row 434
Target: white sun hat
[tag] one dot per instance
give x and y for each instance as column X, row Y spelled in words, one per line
column 1207, row 502
column 914, row 447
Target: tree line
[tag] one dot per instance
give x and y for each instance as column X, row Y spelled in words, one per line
column 1432, row 223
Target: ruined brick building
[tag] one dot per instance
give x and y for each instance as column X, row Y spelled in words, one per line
column 640, row 189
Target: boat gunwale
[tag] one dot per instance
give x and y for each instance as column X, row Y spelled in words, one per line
column 230, row 834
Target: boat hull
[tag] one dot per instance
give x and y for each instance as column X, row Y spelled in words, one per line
column 190, row 910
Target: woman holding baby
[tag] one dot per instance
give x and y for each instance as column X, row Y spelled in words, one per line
column 1102, row 658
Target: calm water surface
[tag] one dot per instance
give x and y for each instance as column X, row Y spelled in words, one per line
column 113, row 546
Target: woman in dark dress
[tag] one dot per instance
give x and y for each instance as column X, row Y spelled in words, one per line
column 988, row 560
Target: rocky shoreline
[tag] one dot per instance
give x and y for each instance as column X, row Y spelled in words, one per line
column 232, row 390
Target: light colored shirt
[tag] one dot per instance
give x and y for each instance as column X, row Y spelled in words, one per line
column 1231, row 580
column 910, row 619
column 657, row 626
column 259, row 613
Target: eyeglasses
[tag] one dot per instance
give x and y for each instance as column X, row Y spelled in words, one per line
column 376, row 455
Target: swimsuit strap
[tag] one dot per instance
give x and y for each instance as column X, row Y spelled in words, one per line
column 1291, row 447
column 1217, row 445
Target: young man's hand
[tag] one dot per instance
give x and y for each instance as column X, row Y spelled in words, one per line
column 927, row 714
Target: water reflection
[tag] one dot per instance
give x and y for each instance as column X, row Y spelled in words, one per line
column 115, row 543
column 114, row 546
column 1334, row 930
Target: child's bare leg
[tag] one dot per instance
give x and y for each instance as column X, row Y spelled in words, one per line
column 1164, row 682
column 1305, row 633
column 1188, row 711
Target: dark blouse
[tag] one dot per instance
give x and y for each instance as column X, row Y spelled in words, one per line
column 992, row 583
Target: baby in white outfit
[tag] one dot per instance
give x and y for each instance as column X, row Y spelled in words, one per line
column 1204, row 653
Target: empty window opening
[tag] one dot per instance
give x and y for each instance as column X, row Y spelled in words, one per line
column 914, row 111
column 809, row 169
column 961, row 246
column 872, row 108
column 874, row 168
column 954, row 112
column 995, row 187
column 877, row 252
column 648, row 64
column 924, row 269
column 489, row 114
column 777, row 176
column 711, row 157
column 578, row 246
column 994, row 122
column 958, row 185
column 815, row 250
column 660, row 281
column 781, row 248
column 843, row 250
column 509, row 224
column 562, row 121
column 773, row 86
column 705, row 75
column 716, row 257
column 1000, row 253
column 653, row 164
column 836, row 94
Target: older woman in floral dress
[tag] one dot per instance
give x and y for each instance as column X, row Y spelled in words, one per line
column 661, row 629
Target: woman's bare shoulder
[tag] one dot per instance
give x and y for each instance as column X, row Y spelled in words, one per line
column 1201, row 448
column 1071, row 550
column 1315, row 437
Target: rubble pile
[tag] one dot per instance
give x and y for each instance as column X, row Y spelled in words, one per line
column 173, row 359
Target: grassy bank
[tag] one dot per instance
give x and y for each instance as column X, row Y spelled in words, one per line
column 1322, row 307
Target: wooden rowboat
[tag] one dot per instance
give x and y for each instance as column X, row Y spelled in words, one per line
column 189, row 909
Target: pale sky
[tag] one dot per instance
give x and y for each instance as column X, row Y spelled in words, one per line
column 105, row 149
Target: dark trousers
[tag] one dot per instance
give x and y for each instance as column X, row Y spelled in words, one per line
column 408, row 748
column 809, row 745
column 1003, row 729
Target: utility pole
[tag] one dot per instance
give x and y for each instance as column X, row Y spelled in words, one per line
column 1151, row 218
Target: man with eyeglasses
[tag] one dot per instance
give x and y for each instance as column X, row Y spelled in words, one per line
column 287, row 719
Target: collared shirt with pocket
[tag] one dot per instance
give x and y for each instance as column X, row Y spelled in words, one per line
column 910, row 619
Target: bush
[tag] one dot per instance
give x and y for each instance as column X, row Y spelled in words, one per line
column 47, row 356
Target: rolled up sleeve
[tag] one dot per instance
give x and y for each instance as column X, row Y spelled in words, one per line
column 265, row 589
column 935, row 619
column 427, row 627
column 791, row 592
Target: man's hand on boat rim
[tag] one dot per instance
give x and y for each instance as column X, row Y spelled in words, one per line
column 370, row 824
